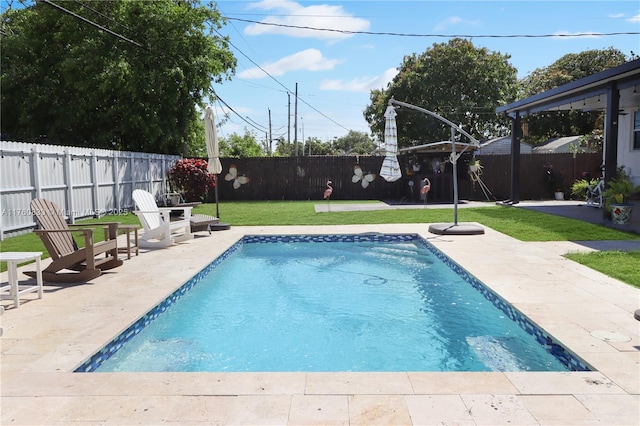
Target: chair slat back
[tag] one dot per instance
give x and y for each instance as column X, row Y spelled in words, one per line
column 50, row 216
column 150, row 216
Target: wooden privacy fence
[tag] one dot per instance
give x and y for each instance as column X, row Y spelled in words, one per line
column 534, row 180
column 305, row 178
column 299, row 178
column 87, row 182
column 83, row 182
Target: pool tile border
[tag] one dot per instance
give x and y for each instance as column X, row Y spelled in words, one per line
column 564, row 355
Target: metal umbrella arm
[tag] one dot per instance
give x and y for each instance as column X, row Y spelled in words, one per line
column 474, row 142
column 453, row 156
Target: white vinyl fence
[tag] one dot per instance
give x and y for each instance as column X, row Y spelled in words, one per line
column 83, row 182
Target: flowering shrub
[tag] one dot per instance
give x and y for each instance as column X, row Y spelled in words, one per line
column 190, row 177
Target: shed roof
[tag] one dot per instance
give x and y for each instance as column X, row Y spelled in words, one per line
column 502, row 145
column 557, row 144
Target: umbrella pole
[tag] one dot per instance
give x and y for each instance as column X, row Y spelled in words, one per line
column 216, row 192
column 455, row 176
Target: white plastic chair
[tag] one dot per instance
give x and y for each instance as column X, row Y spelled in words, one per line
column 159, row 230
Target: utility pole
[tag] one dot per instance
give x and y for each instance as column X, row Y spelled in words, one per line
column 295, row 126
column 288, row 118
column 269, row 141
column 302, row 128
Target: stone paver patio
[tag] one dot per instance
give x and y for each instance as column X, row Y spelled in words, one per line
column 45, row 339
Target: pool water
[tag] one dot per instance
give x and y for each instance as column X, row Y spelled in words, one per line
column 371, row 303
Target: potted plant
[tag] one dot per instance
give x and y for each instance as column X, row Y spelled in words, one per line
column 554, row 182
column 475, row 166
column 190, row 179
column 617, row 194
column 474, row 171
column 580, row 188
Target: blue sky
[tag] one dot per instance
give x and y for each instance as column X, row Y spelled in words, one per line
column 335, row 71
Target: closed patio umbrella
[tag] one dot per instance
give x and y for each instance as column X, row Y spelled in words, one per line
column 390, row 170
column 213, row 150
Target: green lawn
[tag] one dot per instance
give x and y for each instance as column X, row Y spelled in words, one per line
column 522, row 224
column 624, row 266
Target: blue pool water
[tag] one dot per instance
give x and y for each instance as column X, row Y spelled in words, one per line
column 369, row 302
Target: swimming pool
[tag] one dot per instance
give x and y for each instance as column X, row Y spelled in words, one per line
column 398, row 309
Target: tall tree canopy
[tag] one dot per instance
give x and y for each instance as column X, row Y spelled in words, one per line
column 67, row 82
column 314, row 146
column 548, row 124
column 241, row 146
column 353, row 143
column 456, row 80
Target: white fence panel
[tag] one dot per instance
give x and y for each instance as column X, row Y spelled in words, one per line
column 83, row 182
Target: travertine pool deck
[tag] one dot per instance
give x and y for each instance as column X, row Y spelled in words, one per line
column 46, row 339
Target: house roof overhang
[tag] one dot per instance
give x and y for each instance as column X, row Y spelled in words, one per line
column 588, row 93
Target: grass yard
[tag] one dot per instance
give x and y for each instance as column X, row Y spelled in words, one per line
column 621, row 265
column 522, row 224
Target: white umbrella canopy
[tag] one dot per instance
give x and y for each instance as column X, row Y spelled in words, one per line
column 213, row 150
column 390, row 170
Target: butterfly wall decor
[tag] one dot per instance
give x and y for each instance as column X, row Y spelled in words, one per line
column 233, row 176
column 359, row 176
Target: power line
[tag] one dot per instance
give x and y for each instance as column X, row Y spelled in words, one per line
column 285, row 87
column 85, row 20
column 241, row 117
column 256, row 123
column 102, row 15
column 585, row 34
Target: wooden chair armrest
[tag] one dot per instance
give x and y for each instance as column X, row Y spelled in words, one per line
column 94, row 224
column 83, row 230
column 110, row 228
column 175, row 208
column 186, row 212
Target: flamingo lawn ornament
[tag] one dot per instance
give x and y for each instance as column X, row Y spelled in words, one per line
column 425, row 190
column 327, row 193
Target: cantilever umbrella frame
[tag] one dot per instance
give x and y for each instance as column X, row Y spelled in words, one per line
column 449, row 228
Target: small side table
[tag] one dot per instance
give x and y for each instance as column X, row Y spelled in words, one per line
column 202, row 222
column 127, row 229
column 15, row 290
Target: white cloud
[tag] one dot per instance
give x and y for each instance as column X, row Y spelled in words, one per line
column 363, row 84
column 454, row 21
column 309, row 60
column 290, row 13
column 569, row 35
column 634, row 19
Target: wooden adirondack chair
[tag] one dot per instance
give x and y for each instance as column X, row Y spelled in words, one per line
column 159, row 230
column 57, row 238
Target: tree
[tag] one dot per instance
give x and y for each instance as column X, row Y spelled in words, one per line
column 456, row 80
column 547, row 124
column 314, row 146
column 287, row 149
column 77, row 85
column 241, row 146
column 354, row 143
